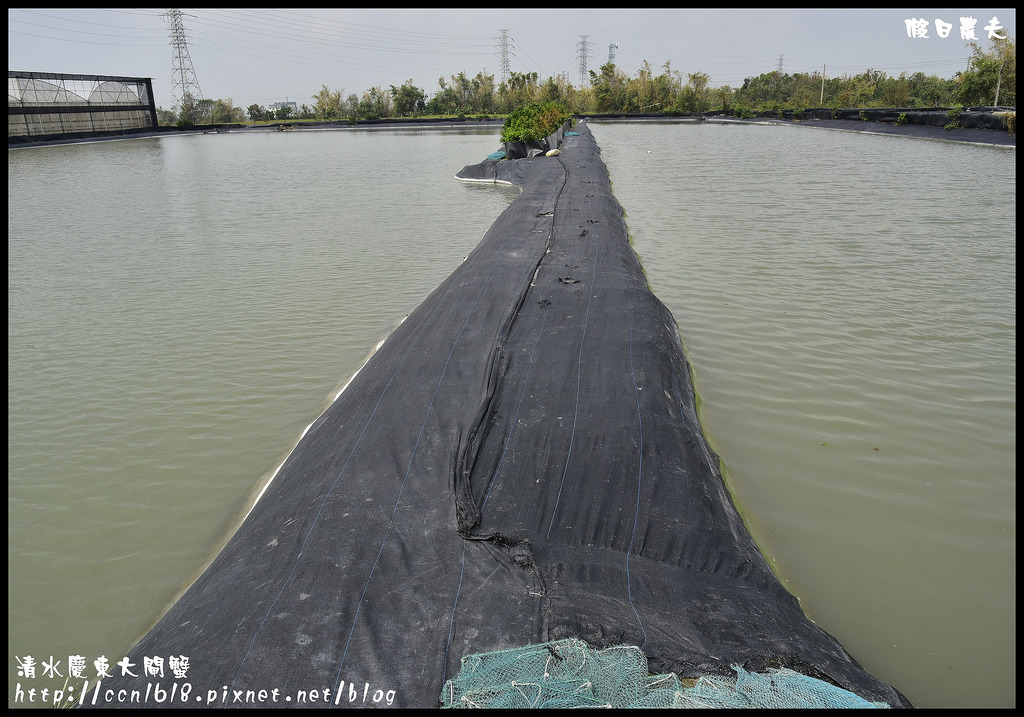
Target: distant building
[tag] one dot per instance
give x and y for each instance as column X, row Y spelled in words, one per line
column 49, row 104
column 278, row 105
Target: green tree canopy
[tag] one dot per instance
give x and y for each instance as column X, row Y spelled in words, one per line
column 224, row 111
column 257, row 113
column 611, row 90
column 535, row 120
column 327, row 104
column 408, row 100
column 374, row 104
column 991, row 71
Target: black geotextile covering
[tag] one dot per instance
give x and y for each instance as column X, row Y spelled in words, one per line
column 519, row 462
column 925, row 126
column 981, row 118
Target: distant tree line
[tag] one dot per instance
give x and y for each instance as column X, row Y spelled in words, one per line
column 990, row 73
column 193, row 111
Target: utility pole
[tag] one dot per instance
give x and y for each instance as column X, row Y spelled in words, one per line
column 584, row 47
column 184, row 83
column 822, row 100
column 503, row 40
column 999, row 81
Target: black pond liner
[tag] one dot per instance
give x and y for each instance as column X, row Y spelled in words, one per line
column 519, row 462
column 972, row 126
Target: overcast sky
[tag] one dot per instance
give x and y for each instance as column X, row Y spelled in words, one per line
column 270, row 55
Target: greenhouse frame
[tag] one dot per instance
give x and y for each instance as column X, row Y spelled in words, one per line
column 52, row 105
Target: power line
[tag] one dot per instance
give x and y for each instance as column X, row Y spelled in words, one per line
column 378, row 32
column 337, row 34
column 82, row 42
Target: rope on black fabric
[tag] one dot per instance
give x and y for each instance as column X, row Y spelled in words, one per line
column 640, row 467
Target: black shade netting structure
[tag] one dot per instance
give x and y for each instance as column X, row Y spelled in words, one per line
column 519, row 462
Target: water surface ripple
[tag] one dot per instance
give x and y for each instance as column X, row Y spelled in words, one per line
column 180, row 309
column 849, row 305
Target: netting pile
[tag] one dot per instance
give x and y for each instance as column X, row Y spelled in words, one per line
column 569, row 673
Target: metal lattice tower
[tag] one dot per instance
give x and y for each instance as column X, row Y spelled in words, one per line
column 183, row 75
column 503, row 40
column 611, row 52
column 584, row 48
column 780, row 63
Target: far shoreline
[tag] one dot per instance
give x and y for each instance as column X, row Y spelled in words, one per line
column 991, row 137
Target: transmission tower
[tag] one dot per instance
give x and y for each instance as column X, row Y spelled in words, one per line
column 581, row 52
column 184, row 82
column 780, row 63
column 611, row 52
column 503, row 40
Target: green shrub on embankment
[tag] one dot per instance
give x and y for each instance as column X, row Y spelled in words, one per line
column 534, row 121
